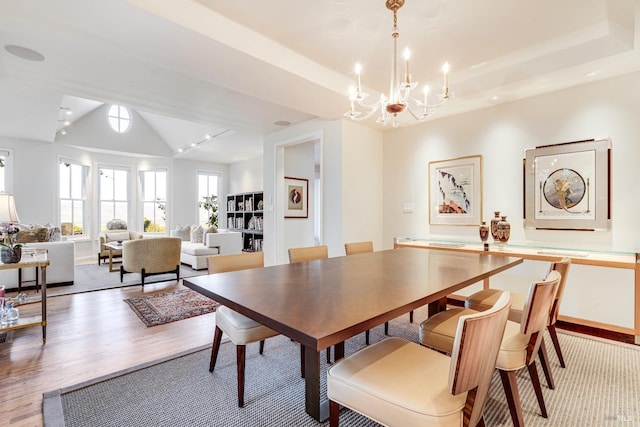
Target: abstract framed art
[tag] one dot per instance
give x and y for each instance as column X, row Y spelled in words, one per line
column 567, row 186
column 297, row 192
column 455, row 191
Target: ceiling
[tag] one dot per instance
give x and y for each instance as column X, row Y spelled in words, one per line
column 196, row 67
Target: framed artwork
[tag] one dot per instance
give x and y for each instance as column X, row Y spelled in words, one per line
column 455, row 191
column 567, row 186
column 297, row 192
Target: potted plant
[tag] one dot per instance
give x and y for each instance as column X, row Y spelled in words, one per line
column 210, row 204
column 11, row 252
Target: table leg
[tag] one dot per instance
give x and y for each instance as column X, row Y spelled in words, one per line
column 318, row 410
column 437, row 306
column 43, row 269
column 111, row 269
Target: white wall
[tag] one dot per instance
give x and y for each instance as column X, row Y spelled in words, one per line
column 362, row 183
column 608, row 108
column 500, row 134
column 247, row 176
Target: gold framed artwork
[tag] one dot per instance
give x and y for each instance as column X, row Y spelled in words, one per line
column 297, row 202
column 567, row 186
column 455, row 191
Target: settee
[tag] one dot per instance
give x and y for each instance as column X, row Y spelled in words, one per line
column 61, row 270
column 195, row 252
column 152, row 256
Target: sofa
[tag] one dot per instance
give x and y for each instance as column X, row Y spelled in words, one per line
column 114, row 236
column 194, row 252
column 61, row 270
column 152, row 256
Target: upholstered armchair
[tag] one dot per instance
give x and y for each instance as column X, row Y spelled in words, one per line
column 151, row 256
column 114, row 236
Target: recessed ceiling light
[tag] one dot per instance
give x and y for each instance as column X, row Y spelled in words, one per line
column 282, row 123
column 24, row 53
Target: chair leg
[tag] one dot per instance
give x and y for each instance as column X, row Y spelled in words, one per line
column 510, row 386
column 121, row 273
column 386, row 328
column 556, row 343
column 142, row 277
column 334, row 414
column 217, row 338
column 240, row 354
column 546, row 367
column 329, row 355
column 366, row 337
column 535, row 380
column 261, row 346
column 411, row 316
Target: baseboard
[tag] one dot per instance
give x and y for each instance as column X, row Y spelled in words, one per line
column 458, row 301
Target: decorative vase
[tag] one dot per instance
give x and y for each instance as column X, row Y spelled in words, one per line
column 484, row 231
column 11, row 255
column 494, row 225
column 503, row 230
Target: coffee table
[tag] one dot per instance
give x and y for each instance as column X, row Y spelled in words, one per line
column 112, row 246
column 324, row 302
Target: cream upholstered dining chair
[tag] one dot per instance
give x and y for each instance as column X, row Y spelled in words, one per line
column 483, row 299
column 240, row 329
column 302, row 254
column 400, row 383
column 355, row 248
column 520, row 342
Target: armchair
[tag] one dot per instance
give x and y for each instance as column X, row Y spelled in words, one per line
column 113, row 236
column 151, row 256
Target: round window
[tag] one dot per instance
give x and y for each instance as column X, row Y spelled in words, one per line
column 119, row 118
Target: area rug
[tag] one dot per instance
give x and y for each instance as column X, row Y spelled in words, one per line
column 168, row 307
column 599, row 387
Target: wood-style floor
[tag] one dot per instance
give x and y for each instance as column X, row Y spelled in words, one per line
column 88, row 335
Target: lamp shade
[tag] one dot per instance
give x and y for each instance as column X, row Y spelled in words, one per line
column 8, row 211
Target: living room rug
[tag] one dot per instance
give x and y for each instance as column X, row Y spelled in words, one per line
column 169, row 307
column 599, row 387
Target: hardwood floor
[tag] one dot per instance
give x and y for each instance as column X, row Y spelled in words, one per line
column 88, row 335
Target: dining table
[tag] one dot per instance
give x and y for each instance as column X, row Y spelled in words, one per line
column 324, row 302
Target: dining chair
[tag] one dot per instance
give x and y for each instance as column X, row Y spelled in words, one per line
column 519, row 346
column 483, row 299
column 400, row 383
column 302, row 254
column 240, row 329
column 355, row 248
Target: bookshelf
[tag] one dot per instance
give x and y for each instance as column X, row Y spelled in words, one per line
column 245, row 214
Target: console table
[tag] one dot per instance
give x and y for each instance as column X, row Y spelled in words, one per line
column 39, row 259
column 617, row 260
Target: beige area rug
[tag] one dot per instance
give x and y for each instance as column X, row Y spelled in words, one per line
column 168, row 307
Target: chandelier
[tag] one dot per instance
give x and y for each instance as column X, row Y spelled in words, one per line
column 399, row 99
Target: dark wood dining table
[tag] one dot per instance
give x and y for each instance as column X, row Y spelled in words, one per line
column 324, row 302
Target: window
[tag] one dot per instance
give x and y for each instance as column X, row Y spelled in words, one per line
column 119, row 118
column 208, row 184
column 73, row 179
column 114, row 195
column 154, row 200
column 5, row 171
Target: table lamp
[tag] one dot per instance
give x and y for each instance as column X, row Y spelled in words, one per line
column 8, row 211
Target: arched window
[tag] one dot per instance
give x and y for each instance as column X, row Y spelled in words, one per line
column 119, row 118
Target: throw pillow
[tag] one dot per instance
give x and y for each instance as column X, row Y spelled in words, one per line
column 197, row 234
column 117, row 236
column 212, row 229
column 183, row 232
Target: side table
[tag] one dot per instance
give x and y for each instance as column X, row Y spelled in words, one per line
column 38, row 259
column 112, row 246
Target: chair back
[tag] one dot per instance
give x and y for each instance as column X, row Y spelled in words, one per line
column 358, row 247
column 243, row 261
column 536, row 311
column 308, row 253
column 474, row 355
column 561, row 267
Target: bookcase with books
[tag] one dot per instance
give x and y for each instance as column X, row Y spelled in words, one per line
column 245, row 214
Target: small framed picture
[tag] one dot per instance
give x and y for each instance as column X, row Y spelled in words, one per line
column 297, row 202
column 455, row 191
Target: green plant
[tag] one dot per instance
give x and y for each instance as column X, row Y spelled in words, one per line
column 210, row 204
